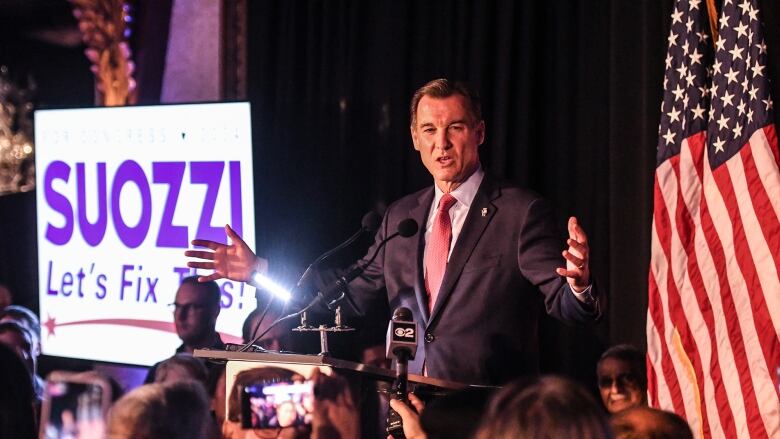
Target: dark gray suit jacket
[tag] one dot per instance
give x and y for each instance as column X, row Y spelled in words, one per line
column 483, row 327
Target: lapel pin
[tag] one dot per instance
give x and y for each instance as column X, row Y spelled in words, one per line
column 484, row 212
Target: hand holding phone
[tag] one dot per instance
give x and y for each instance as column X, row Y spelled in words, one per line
column 75, row 405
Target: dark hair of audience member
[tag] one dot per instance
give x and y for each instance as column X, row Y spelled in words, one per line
column 170, row 410
column 455, row 415
column 213, row 293
column 17, row 398
column 182, row 367
column 22, row 342
column 649, row 423
column 24, row 316
column 545, row 407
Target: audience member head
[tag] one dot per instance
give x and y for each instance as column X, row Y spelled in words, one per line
column 217, row 389
column 6, row 298
column 622, row 378
column 276, row 339
column 29, row 320
column 18, row 338
column 649, row 423
column 181, row 367
column 195, row 312
column 546, row 407
column 456, row 415
column 162, row 411
column 17, row 398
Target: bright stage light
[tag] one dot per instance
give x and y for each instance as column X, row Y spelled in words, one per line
column 262, row 281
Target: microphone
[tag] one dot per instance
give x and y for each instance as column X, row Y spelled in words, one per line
column 337, row 290
column 405, row 228
column 369, row 223
column 401, row 345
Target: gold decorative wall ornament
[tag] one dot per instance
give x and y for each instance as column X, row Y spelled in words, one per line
column 17, row 164
column 104, row 26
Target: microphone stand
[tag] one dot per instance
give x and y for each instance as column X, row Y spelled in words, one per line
column 326, row 296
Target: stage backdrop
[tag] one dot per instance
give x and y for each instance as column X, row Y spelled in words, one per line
column 121, row 193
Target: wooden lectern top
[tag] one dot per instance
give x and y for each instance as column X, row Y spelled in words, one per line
column 318, row 360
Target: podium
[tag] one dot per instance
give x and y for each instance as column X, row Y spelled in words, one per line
column 372, row 384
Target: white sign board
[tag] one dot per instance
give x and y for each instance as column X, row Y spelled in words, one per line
column 120, row 194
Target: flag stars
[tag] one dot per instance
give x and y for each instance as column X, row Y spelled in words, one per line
column 689, row 24
column 718, row 145
column 682, row 70
column 685, row 48
column 753, row 14
column 736, row 53
column 752, row 92
column 698, row 112
column 669, row 136
column 674, row 115
column 716, row 65
column 768, row 103
column 690, row 78
column 694, row 4
column 669, row 60
column 741, row 30
column 761, row 47
column 714, row 90
column 750, row 116
column 732, row 75
column 741, row 108
column 737, row 130
column 724, row 20
column 695, row 57
column 723, row 122
column 678, row 92
column 758, row 70
column 677, row 17
column 672, row 39
column 702, row 36
column 727, row 97
column 720, row 44
column 745, row 5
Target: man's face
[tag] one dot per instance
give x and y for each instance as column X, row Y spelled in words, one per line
column 193, row 315
column 619, row 385
column 448, row 139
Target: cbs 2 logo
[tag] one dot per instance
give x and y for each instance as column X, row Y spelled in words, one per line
column 404, row 332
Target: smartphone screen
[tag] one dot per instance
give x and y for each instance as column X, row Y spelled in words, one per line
column 74, row 407
column 276, row 405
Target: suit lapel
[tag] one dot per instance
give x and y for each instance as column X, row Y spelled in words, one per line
column 479, row 216
column 420, row 214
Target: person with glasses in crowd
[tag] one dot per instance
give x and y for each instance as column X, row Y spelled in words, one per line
column 195, row 311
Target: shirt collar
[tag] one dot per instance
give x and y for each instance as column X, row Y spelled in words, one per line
column 464, row 193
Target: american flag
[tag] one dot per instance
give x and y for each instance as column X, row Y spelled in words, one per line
column 713, row 322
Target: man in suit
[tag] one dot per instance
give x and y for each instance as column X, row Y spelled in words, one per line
column 471, row 275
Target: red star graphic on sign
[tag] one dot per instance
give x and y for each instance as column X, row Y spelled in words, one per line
column 50, row 324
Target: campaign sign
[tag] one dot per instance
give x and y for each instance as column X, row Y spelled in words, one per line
column 120, row 194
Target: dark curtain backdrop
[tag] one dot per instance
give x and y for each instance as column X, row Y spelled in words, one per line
column 571, row 92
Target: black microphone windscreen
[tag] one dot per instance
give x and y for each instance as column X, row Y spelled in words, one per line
column 403, row 313
column 407, row 227
column 371, row 221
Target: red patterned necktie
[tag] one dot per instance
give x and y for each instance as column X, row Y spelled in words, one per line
column 438, row 248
